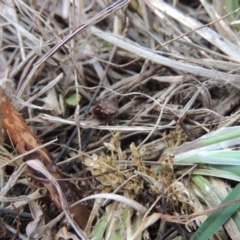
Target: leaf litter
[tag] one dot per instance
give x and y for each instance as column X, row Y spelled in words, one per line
column 143, row 78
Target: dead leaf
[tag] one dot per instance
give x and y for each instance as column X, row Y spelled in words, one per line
column 24, row 140
column 35, row 229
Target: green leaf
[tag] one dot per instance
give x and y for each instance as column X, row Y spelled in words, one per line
column 73, row 99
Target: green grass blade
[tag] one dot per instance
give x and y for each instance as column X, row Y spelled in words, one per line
column 233, row 169
column 219, row 217
column 207, row 190
column 214, row 172
column 219, row 139
column 98, row 231
column 225, row 156
column 231, row 5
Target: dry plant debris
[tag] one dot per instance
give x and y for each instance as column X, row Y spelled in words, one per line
column 109, row 90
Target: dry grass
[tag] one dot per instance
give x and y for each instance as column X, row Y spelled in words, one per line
column 157, row 61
